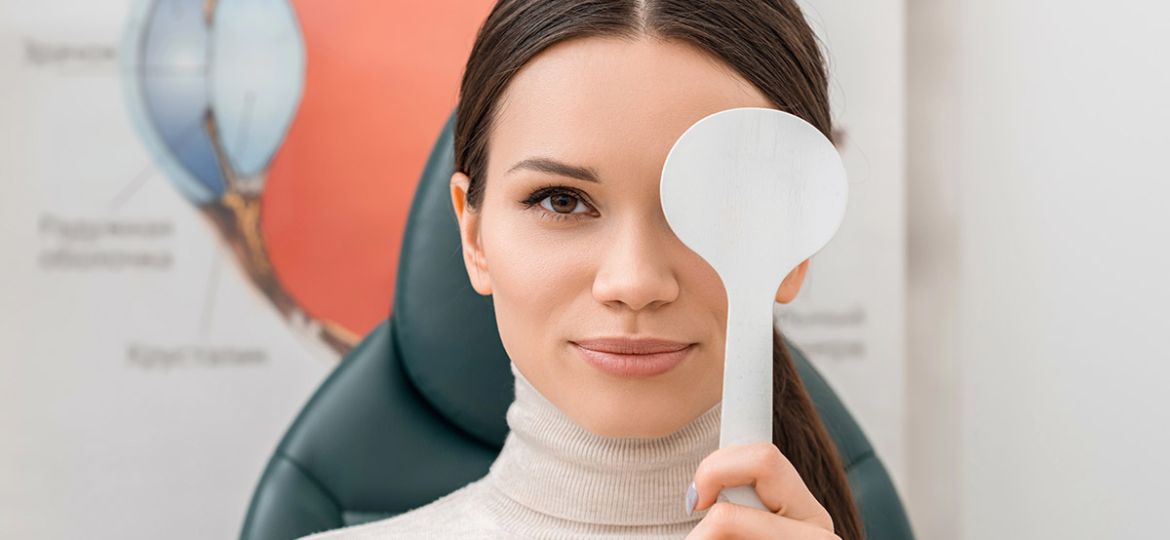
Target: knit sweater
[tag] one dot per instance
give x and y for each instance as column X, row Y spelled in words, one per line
column 554, row 479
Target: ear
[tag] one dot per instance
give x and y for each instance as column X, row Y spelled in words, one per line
column 468, row 218
column 791, row 284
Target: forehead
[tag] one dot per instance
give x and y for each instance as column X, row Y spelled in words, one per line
column 612, row 104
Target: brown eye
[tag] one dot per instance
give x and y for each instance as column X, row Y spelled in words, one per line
column 558, row 203
column 562, row 203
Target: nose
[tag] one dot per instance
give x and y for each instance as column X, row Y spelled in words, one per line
column 637, row 268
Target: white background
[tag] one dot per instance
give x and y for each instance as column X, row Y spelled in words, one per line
column 1039, row 253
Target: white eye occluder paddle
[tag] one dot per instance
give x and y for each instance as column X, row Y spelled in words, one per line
column 753, row 191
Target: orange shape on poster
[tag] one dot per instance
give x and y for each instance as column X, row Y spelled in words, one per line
column 382, row 78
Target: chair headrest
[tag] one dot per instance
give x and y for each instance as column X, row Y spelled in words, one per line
column 446, row 332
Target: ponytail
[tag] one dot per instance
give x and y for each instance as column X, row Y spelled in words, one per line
column 800, row 435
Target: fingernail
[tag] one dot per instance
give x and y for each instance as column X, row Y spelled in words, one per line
column 692, row 498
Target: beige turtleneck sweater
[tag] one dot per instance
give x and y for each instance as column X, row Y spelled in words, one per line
column 555, row 479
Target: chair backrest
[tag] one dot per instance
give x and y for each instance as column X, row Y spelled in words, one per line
column 417, row 409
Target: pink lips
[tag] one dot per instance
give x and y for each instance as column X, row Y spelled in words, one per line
column 630, row 357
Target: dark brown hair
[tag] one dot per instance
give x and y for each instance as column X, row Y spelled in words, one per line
column 769, row 43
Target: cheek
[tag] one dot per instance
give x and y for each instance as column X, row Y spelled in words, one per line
column 707, row 287
column 539, row 277
column 534, row 266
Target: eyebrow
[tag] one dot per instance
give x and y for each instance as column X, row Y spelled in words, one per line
column 556, row 167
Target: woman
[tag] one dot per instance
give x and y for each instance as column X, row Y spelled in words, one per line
column 615, row 329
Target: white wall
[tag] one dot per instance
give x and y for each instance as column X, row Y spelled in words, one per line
column 1038, row 138
column 932, row 267
column 849, row 317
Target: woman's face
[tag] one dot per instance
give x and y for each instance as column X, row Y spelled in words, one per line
column 596, row 258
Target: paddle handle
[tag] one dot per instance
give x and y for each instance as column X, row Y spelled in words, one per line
column 743, row 495
column 747, row 384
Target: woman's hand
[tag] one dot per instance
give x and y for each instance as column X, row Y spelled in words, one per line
column 795, row 513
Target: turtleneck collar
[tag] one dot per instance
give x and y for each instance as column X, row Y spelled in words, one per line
column 554, row 466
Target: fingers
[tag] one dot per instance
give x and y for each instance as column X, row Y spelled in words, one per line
column 775, row 479
column 732, row 521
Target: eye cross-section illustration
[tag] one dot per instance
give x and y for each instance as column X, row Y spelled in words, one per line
column 300, row 129
column 213, row 87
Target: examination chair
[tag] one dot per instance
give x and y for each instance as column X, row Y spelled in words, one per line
column 416, row 409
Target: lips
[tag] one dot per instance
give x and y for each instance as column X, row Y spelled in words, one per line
column 619, row 345
column 633, row 357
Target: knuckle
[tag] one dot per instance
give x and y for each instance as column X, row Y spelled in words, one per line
column 767, row 453
column 707, row 469
column 702, row 472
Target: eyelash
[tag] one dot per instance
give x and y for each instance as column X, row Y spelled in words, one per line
column 547, row 191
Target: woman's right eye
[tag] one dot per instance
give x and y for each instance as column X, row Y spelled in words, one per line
column 557, row 203
column 562, row 201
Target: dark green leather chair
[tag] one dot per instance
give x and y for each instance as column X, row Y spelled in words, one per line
column 416, row 410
